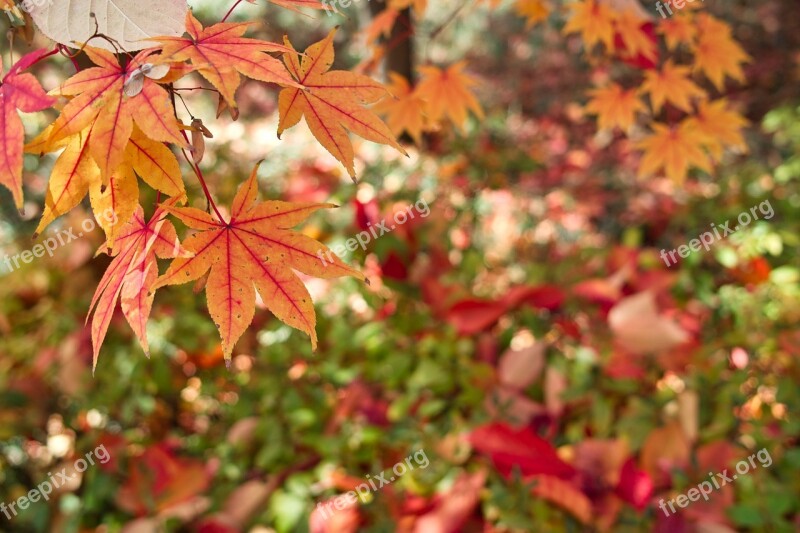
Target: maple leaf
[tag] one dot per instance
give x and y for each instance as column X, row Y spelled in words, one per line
column 615, row 106
column 381, row 25
column 594, row 21
column 635, row 40
column 220, row 54
column 295, row 4
column 75, row 173
column 678, row 29
column 447, row 93
column 534, row 11
column 673, row 149
column 256, row 249
column 18, row 91
column 716, row 53
column 132, row 273
column 720, row 126
column 404, row 112
column 672, row 84
column 419, row 6
column 100, row 100
column 333, row 103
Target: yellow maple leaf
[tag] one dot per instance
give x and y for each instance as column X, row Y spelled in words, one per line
column 594, row 21
column 673, row 149
column 679, row 29
column 406, row 111
column 720, row 126
column 671, row 84
column 533, row 10
column 717, row 54
column 448, row 93
column 629, row 26
column 614, row 106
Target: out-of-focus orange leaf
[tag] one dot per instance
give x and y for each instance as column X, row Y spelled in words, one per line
column 448, row 94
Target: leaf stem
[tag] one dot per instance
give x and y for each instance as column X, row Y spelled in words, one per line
column 202, row 180
column 228, row 14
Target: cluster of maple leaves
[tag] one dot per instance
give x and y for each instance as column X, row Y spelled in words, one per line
column 117, row 121
column 688, row 129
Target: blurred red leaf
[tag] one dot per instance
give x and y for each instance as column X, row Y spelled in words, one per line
column 453, row 508
column 509, row 448
column 635, row 486
column 158, row 480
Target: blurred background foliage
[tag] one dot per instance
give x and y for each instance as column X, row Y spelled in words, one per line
column 494, row 309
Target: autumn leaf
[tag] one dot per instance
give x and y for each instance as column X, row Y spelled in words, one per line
column 674, row 149
column 100, row 100
column 333, row 104
column 448, row 93
column 677, row 30
column 130, row 23
column 131, row 275
column 635, row 40
column 534, row 11
column 594, row 21
column 381, row 25
column 717, row 54
column 220, row 54
column 75, row 173
column 18, row 91
column 295, row 4
column 419, row 6
column 404, row 110
column 720, row 126
column 256, row 249
column 615, row 106
column 640, row 328
column 671, row 84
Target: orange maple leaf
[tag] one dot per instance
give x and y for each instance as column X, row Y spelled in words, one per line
column 220, row 53
column 132, row 274
column 678, row 29
column 615, row 106
column 716, row 53
column 404, row 110
column 594, row 21
column 100, row 100
column 419, row 6
column 534, row 11
column 256, row 249
column 671, row 84
column 673, row 149
column 636, row 41
column 720, row 127
column 18, row 91
column 333, row 103
column 448, row 93
column 75, row 173
column 295, row 4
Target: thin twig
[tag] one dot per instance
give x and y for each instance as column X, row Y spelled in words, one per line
column 228, row 14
